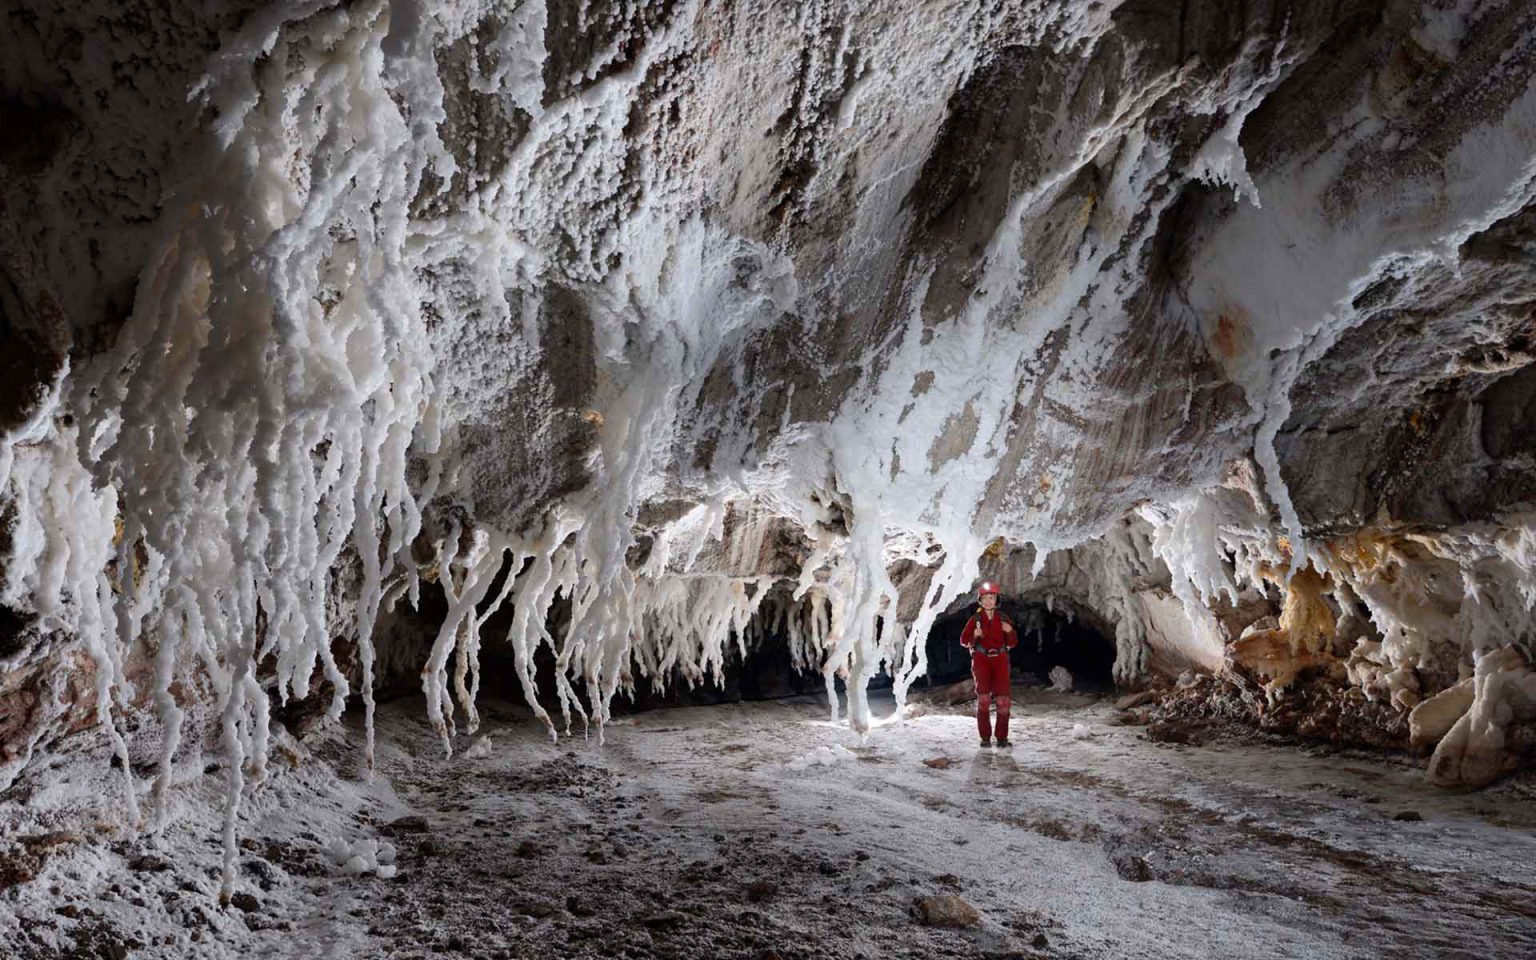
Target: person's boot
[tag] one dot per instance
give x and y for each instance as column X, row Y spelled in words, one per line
column 987, row 741
column 1004, row 742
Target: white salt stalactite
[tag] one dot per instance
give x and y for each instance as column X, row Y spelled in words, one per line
column 533, row 594
column 687, row 621
column 859, row 595
column 478, row 568
column 256, row 408
column 953, row 580
column 61, row 541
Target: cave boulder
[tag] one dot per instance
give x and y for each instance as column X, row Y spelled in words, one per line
column 1432, row 719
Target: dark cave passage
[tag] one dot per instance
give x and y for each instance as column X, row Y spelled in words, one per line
column 1047, row 639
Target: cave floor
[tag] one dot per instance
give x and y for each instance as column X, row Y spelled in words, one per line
column 760, row 830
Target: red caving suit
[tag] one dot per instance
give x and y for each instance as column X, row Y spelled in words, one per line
column 989, row 639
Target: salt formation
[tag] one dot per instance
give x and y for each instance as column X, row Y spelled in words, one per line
column 821, row 757
column 365, row 856
column 606, row 303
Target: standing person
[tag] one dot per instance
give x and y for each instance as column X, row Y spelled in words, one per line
column 988, row 635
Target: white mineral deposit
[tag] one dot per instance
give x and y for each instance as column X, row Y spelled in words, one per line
column 516, row 479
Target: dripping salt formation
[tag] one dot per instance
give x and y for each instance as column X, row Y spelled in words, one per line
column 666, row 333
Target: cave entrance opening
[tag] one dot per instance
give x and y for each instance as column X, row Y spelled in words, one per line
column 1047, row 638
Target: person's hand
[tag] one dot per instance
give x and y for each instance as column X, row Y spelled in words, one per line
column 1007, row 627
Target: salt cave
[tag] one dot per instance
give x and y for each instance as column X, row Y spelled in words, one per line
column 504, row 478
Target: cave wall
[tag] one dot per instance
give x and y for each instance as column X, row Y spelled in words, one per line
column 660, row 308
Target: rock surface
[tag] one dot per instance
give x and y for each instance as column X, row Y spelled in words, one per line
column 945, row 910
column 1433, row 718
column 668, row 325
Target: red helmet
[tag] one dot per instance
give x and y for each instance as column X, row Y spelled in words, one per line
column 987, row 586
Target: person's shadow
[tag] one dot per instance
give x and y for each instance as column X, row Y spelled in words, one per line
column 993, row 767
